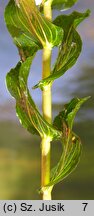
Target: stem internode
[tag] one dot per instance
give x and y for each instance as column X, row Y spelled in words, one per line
column 47, row 111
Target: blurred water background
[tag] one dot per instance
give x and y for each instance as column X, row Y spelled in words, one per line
column 20, row 151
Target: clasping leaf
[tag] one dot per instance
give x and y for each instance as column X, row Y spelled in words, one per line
column 63, row 4
column 26, row 23
column 60, row 4
column 70, row 48
column 71, row 143
column 26, row 109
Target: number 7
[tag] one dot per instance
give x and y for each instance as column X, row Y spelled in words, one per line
column 85, row 205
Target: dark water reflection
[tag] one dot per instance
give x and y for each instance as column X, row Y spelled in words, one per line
column 20, row 152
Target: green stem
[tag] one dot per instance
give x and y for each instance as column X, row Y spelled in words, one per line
column 47, row 111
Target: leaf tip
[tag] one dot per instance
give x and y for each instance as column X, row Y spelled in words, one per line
column 88, row 12
column 35, row 86
column 87, row 98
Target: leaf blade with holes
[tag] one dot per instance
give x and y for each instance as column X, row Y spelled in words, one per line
column 25, row 107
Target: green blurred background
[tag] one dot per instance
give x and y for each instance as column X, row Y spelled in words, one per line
column 20, row 151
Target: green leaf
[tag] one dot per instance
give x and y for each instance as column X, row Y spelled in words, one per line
column 26, row 109
column 60, row 4
column 69, row 112
column 63, row 4
column 67, row 57
column 69, row 159
column 70, row 47
column 71, row 20
column 31, row 25
column 71, row 143
column 25, row 42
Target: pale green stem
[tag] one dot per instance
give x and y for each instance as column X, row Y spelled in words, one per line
column 47, row 112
